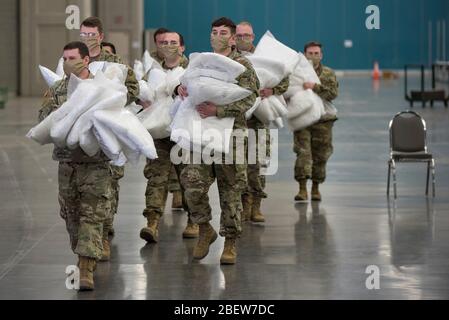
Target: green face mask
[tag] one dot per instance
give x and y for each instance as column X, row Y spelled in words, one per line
column 244, row 44
column 170, row 51
column 91, row 42
column 73, row 66
column 219, row 43
column 315, row 61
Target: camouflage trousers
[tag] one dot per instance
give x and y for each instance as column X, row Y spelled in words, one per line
column 173, row 181
column 256, row 181
column 313, row 148
column 158, row 171
column 196, row 180
column 85, row 200
column 117, row 174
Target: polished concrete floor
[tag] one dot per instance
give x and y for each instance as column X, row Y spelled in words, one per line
column 303, row 251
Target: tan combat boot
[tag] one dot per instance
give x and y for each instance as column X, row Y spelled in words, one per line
column 302, row 194
column 256, row 215
column 316, row 195
column 229, row 255
column 177, row 200
column 87, row 267
column 207, row 237
column 247, row 202
column 191, row 231
column 106, row 254
column 151, row 233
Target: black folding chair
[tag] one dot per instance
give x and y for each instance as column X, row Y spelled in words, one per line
column 408, row 143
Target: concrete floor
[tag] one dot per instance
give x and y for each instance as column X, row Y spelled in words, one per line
column 303, row 251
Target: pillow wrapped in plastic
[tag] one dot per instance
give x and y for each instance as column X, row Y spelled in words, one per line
column 269, row 71
column 41, row 132
column 156, row 119
column 213, row 133
column 212, row 65
column 49, row 76
column 113, row 98
column 271, row 48
column 305, row 108
column 129, row 130
column 100, row 91
column 138, row 70
column 114, row 71
column 201, row 88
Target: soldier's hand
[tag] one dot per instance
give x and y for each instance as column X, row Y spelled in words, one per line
column 265, row 93
column 182, row 92
column 309, row 85
column 207, row 109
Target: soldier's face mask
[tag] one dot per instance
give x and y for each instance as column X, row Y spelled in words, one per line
column 75, row 66
column 170, row 51
column 244, row 44
column 92, row 43
column 220, row 43
column 315, row 61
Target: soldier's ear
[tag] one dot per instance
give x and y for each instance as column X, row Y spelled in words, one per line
column 101, row 36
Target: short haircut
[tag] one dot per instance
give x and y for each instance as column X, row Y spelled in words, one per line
column 245, row 23
column 108, row 44
column 82, row 48
column 158, row 32
column 312, row 44
column 93, row 22
column 223, row 21
column 181, row 38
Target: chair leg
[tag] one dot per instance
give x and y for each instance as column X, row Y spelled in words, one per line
column 433, row 178
column 394, row 179
column 427, row 180
column 388, row 179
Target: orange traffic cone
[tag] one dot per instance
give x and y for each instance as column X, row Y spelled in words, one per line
column 376, row 71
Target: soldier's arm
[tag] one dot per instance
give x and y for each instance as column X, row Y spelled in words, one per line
column 48, row 105
column 328, row 89
column 132, row 85
column 282, row 87
column 131, row 82
column 248, row 80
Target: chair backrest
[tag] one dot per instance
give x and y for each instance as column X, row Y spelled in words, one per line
column 408, row 132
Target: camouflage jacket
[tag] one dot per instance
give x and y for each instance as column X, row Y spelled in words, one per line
column 156, row 57
column 54, row 98
column 248, row 80
column 328, row 89
column 131, row 82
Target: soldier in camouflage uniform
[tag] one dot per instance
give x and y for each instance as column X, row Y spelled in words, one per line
column 91, row 33
column 158, row 171
column 174, row 186
column 196, row 179
column 158, row 38
column 85, row 183
column 254, row 194
column 313, row 145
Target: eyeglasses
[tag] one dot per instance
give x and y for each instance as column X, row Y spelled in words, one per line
column 88, row 34
column 245, row 36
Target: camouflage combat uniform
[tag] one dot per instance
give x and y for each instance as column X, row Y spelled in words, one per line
column 162, row 175
column 256, row 181
column 117, row 172
column 313, row 145
column 85, row 186
column 156, row 57
column 196, row 179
